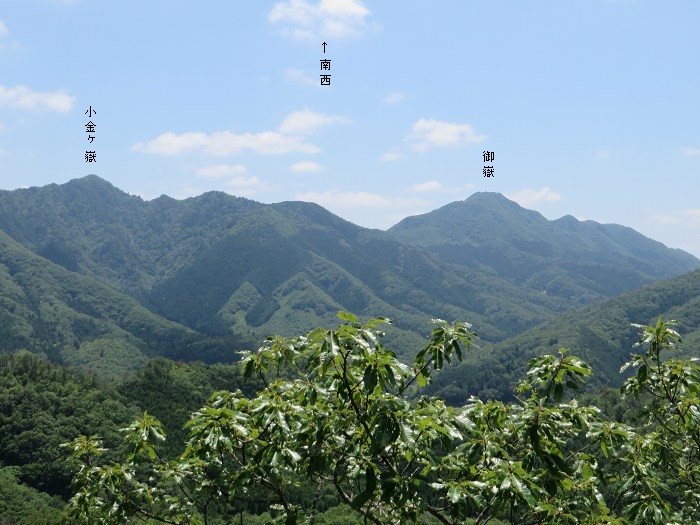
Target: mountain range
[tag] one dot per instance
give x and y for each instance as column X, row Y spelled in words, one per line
column 200, row 277
column 602, row 334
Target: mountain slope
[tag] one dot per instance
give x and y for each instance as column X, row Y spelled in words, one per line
column 295, row 265
column 602, row 334
column 223, row 265
column 88, row 225
column 579, row 261
column 78, row 320
column 187, row 260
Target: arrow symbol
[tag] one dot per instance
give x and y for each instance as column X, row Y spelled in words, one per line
column 324, row 47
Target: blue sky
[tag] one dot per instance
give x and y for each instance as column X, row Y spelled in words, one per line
column 591, row 106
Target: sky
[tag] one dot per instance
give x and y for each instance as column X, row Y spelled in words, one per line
column 590, row 107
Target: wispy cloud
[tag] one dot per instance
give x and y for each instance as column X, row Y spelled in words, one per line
column 225, row 143
column 602, row 154
column 366, row 208
column 304, row 20
column 529, row 197
column 431, row 133
column 221, row 170
column 391, row 156
column 305, row 166
column 6, row 43
column 306, row 122
column 21, row 97
column 344, row 199
column 299, row 76
column 685, row 217
column 690, row 152
column 245, row 186
column 2, row 152
column 394, row 97
column 354, row 199
column 423, row 187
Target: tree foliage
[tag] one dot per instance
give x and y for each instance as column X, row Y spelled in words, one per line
column 339, row 410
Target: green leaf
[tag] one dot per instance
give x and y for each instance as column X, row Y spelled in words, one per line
column 370, row 378
column 642, row 373
column 346, row 316
column 454, row 494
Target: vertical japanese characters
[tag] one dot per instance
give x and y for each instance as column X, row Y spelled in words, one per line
column 489, row 157
column 325, row 66
column 90, row 127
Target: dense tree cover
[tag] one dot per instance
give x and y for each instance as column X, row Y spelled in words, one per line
column 84, row 323
column 172, row 391
column 335, row 410
column 579, row 261
column 23, row 505
column 213, row 264
column 41, row 406
column 602, row 334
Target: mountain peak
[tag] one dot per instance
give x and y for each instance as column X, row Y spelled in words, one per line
column 480, row 217
column 521, row 245
column 92, row 181
column 492, row 196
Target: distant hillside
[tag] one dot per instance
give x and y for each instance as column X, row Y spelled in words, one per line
column 577, row 261
column 218, row 263
column 236, row 271
column 601, row 334
column 79, row 321
column 295, row 264
column 89, row 226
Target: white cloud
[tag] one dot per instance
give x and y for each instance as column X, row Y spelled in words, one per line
column 300, row 77
column 686, row 217
column 173, row 144
column 602, row 154
column 530, row 197
column 394, row 97
column 221, row 170
column 3, row 29
column 21, row 97
column 661, row 218
column 306, row 122
column 2, row 152
column 344, row 199
column 371, row 210
column 690, row 152
column 306, row 166
column 431, row 185
column 224, row 143
column 357, row 199
column 431, row 133
column 391, row 156
column 304, row 20
column 244, row 182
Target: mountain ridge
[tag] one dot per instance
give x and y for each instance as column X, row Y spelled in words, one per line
column 525, row 251
column 603, row 334
column 222, row 265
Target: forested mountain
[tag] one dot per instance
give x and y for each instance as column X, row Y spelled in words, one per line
column 82, row 322
column 602, row 334
column 579, row 261
column 222, row 266
column 99, row 280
